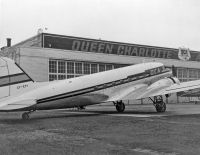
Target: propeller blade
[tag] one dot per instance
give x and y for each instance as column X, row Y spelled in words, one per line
column 174, row 71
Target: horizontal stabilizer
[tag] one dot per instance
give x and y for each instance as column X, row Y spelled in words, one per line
column 18, row 105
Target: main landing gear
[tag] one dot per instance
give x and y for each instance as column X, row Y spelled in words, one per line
column 120, row 106
column 159, row 103
column 25, row 115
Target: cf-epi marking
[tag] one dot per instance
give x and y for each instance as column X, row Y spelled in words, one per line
column 22, row 86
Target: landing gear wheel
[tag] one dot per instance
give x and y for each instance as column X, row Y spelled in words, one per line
column 160, row 107
column 25, row 116
column 159, row 104
column 120, row 107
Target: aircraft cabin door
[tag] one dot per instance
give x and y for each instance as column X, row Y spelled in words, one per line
column 4, row 79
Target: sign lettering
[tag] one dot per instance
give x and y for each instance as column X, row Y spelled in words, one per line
column 108, row 47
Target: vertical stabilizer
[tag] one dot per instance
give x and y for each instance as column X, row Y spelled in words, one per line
column 12, row 78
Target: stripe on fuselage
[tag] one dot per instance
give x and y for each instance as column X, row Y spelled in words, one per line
column 14, row 79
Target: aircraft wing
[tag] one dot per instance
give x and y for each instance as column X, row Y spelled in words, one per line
column 127, row 93
column 15, row 105
column 140, row 91
column 184, row 86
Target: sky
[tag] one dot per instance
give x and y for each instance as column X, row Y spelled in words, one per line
column 164, row 23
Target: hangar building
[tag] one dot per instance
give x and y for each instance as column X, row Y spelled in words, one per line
column 47, row 57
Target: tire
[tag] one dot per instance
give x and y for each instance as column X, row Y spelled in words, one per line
column 120, row 107
column 161, row 107
column 25, row 116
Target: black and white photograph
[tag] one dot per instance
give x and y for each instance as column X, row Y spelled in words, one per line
column 99, row 77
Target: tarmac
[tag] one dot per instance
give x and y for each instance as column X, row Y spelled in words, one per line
column 101, row 130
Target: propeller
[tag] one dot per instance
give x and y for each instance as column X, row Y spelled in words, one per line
column 174, row 71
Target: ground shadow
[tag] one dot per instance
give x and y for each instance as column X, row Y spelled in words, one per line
column 46, row 114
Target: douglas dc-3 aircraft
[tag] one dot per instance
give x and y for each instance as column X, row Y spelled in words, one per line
column 18, row 91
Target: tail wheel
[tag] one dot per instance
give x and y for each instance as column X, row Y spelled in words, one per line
column 25, row 116
column 120, row 106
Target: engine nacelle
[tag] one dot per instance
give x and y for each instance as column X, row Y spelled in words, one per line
column 175, row 80
column 163, row 83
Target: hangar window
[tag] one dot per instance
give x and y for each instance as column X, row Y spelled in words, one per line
column 53, row 66
column 86, row 68
column 78, row 68
column 52, row 77
column 62, row 69
column 180, row 73
column 116, row 66
column 109, row 67
column 193, row 74
column 70, row 67
column 188, row 74
column 119, row 66
column 61, row 77
column 52, row 70
column 94, row 68
column 70, row 76
column 101, row 67
column 185, row 73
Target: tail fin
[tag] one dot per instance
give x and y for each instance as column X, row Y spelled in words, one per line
column 12, row 77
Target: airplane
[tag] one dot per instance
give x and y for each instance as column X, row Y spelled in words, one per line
column 19, row 92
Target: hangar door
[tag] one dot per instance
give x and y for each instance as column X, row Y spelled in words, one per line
column 4, row 79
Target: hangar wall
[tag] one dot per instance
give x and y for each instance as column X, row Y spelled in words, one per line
column 30, row 57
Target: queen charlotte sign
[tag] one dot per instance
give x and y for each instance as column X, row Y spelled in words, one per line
column 108, row 47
